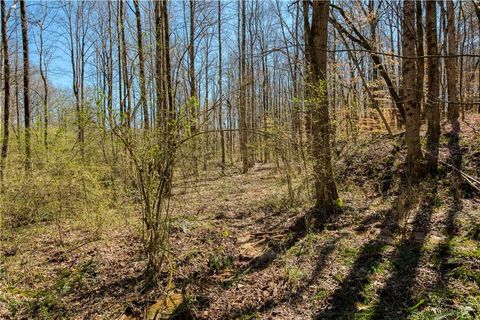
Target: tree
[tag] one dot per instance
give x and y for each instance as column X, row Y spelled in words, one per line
column 451, row 67
column 126, row 114
column 156, row 201
column 78, row 26
column 420, row 53
column 194, row 101
column 316, row 41
column 141, row 66
column 242, row 108
column 356, row 36
column 6, row 96
column 220, row 84
column 409, row 79
column 43, row 56
column 433, row 93
column 26, row 84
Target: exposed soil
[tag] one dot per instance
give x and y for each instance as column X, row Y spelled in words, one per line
column 395, row 252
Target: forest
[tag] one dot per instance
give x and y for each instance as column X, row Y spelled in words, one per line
column 240, row 159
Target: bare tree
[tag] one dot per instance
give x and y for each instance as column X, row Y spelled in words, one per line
column 44, row 55
column 220, row 85
column 6, row 96
column 451, row 66
column 242, row 107
column 412, row 108
column 26, row 84
column 432, row 103
column 194, row 101
column 316, row 34
column 141, row 66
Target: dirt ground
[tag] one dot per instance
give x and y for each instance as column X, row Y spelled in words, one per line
column 394, row 252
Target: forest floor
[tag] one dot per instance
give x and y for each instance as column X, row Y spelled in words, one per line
column 394, row 252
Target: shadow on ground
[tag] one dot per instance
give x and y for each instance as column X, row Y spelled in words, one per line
column 395, row 296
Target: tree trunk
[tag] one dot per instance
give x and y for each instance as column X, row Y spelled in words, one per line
column 453, row 110
column 6, row 96
column 316, row 45
column 42, row 65
column 194, row 101
column 220, row 91
column 412, row 107
column 433, row 93
column 26, row 84
column 242, row 114
column 126, row 79
column 141, row 67
column 420, row 54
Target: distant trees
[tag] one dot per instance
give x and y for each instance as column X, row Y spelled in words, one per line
column 77, row 28
column 273, row 88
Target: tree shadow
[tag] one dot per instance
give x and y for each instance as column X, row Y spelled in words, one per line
column 395, row 298
column 343, row 301
column 297, row 231
column 292, row 297
column 455, row 159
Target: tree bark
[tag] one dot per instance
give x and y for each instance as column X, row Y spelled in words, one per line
column 420, row 53
column 194, row 100
column 26, row 84
column 451, row 66
column 42, row 65
column 6, row 96
column 141, row 67
column 412, row 108
column 433, row 93
column 242, row 114
column 316, row 42
column 220, row 91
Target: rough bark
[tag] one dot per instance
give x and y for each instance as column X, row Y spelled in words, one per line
column 451, row 65
column 316, row 42
column 412, row 107
column 26, row 84
column 420, row 53
column 433, row 92
column 6, row 95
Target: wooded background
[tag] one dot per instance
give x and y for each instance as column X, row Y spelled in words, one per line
column 108, row 103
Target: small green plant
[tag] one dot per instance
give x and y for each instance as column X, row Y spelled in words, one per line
column 219, row 261
column 71, row 279
column 249, row 316
column 46, row 305
column 294, row 275
column 369, row 293
column 320, row 295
